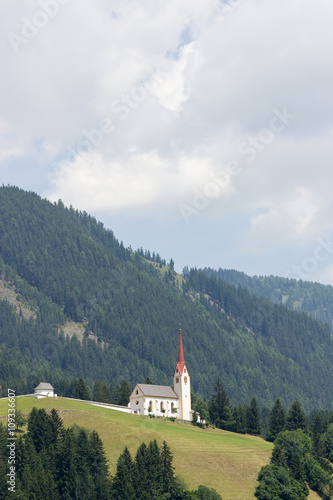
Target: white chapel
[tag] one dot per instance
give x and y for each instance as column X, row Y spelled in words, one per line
column 162, row 400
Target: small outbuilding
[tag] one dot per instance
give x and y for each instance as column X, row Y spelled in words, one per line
column 44, row 390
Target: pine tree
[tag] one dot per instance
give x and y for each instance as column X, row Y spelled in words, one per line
column 296, row 418
column 253, row 418
column 318, row 448
column 81, row 390
column 141, row 460
column 123, row 394
column 40, row 428
column 240, row 418
column 154, row 468
column 167, row 468
column 124, row 482
column 277, row 421
column 99, row 467
column 66, row 475
column 220, row 412
column 57, row 425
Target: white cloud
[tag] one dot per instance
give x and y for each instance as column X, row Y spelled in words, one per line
column 280, row 222
column 136, row 181
column 222, row 72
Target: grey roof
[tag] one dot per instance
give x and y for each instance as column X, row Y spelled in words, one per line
column 158, row 391
column 44, row 386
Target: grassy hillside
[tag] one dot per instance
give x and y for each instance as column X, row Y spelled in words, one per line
column 222, row 460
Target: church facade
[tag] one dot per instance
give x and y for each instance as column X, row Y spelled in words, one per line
column 162, row 400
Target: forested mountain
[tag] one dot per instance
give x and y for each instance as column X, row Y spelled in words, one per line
column 298, row 295
column 63, row 265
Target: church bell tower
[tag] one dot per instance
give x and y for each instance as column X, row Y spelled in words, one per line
column 182, row 384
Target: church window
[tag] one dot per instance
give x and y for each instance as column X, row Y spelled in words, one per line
column 137, row 402
column 176, row 370
column 184, row 370
column 136, row 392
column 162, row 406
column 150, row 408
column 172, row 407
column 185, row 380
column 177, row 380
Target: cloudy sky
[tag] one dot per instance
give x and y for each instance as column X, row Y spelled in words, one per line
column 199, row 129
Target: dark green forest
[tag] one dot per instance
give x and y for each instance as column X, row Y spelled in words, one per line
column 298, row 295
column 64, row 265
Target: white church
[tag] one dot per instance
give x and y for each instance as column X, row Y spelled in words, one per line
column 162, row 400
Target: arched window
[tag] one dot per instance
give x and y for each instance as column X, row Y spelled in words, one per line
column 185, row 380
column 162, row 406
column 172, row 407
column 150, row 407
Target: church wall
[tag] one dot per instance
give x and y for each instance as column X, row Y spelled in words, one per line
column 141, row 404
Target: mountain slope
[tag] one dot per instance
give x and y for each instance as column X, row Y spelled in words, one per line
column 65, row 264
column 297, row 295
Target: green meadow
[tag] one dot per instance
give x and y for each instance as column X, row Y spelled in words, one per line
column 222, row 460
column 226, row 461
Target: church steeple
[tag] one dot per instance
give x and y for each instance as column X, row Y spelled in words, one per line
column 181, row 362
column 182, row 385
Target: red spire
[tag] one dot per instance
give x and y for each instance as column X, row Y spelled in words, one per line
column 181, row 362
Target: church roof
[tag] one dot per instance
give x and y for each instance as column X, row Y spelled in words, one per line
column 181, row 362
column 44, row 386
column 157, row 391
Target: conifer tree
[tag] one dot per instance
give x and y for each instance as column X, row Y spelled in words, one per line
column 318, row 448
column 99, row 467
column 66, row 477
column 220, row 412
column 154, row 468
column 240, row 418
column 123, row 394
column 253, row 418
column 57, row 425
column 81, row 390
column 40, row 428
column 296, row 418
column 167, row 468
column 141, row 460
column 277, row 421
column 101, row 392
column 124, row 482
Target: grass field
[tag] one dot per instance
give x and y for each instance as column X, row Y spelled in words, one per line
column 225, row 461
column 222, row 460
